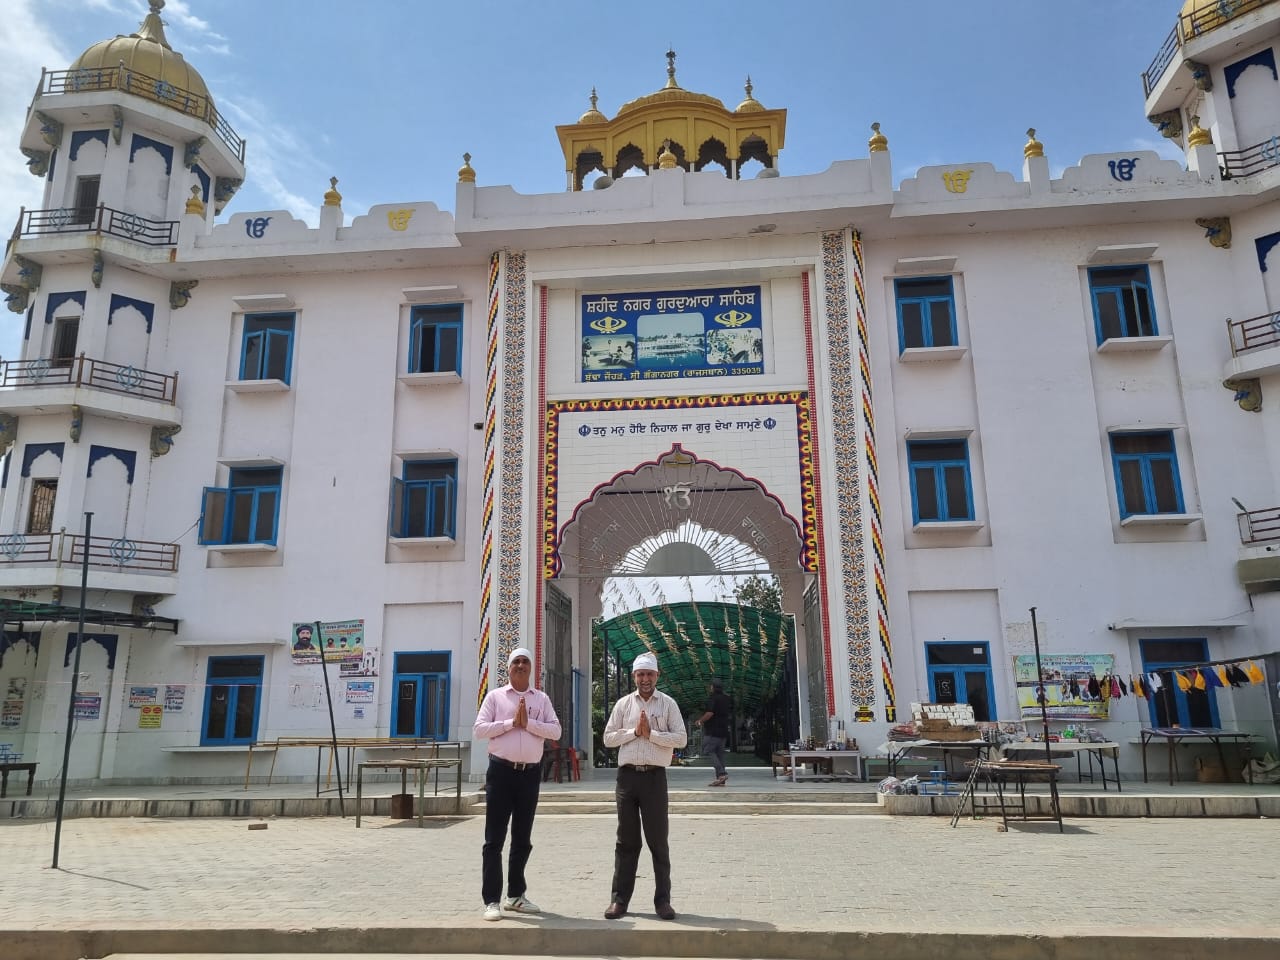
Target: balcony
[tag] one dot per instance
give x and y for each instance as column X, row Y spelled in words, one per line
column 1258, row 568
column 1255, row 346
column 122, row 392
column 1259, row 526
column 1191, row 25
column 1250, row 160
column 116, row 563
column 86, row 80
column 101, row 220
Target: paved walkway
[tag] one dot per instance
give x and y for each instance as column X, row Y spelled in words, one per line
column 744, row 886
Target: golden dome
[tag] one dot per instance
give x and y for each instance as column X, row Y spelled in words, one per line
column 593, row 115
column 750, row 104
column 194, row 203
column 878, row 143
column 672, row 91
column 1199, row 137
column 332, row 198
column 465, row 173
column 666, row 159
column 146, row 52
column 1033, row 147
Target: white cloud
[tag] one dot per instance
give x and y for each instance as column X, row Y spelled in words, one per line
column 275, row 153
column 29, row 44
column 1168, row 149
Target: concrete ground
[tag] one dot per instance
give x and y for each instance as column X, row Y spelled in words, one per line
column 745, row 886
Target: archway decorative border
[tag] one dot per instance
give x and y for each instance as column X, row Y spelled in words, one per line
column 550, row 524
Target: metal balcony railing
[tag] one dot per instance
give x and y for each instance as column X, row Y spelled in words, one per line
column 99, row 219
column 1250, row 160
column 86, row 79
column 1256, row 332
column 117, row 553
column 1192, row 24
column 1259, row 526
column 84, row 371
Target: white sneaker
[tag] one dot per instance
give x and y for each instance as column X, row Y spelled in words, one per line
column 520, row 905
column 492, row 911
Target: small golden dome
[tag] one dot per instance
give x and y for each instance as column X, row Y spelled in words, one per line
column 1033, row 147
column 465, row 173
column 332, row 198
column 666, row 159
column 878, row 143
column 1198, row 137
column 593, row 115
column 195, row 204
column 750, row 104
column 146, row 52
column 672, row 91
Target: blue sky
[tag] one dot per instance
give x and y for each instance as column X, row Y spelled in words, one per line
column 388, row 94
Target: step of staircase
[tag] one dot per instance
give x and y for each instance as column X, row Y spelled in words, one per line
column 717, row 808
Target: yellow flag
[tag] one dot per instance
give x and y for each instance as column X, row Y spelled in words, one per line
column 1255, row 673
column 1183, row 683
column 1199, row 681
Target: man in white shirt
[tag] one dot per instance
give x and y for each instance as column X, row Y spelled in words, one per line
column 516, row 720
column 645, row 726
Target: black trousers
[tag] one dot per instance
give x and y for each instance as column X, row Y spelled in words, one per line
column 511, row 796
column 642, row 802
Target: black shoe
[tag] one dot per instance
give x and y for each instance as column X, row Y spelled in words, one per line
column 664, row 912
column 617, row 911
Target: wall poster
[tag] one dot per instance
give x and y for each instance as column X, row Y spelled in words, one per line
column 342, row 641
column 672, row 335
column 1070, row 684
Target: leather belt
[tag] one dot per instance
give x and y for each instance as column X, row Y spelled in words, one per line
column 643, row 767
column 513, row 764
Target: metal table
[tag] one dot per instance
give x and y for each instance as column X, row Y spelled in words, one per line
column 1030, row 749
column 421, row 767
column 1214, row 735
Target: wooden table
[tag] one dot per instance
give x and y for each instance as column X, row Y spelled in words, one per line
column 821, row 760
column 1176, row 735
column 1017, row 774
column 7, row 766
column 1031, row 749
column 421, row 767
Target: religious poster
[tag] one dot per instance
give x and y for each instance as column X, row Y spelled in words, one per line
column 360, row 691
column 672, row 335
column 366, row 666
column 175, row 697
column 87, row 706
column 341, row 640
column 150, row 717
column 1073, row 686
column 141, row 696
column 11, row 713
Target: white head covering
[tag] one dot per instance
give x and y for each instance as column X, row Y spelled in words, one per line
column 646, row 661
column 519, row 652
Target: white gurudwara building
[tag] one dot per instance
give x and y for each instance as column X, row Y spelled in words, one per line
column 926, row 407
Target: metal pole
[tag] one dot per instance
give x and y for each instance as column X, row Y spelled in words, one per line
column 75, row 680
column 1043, row 696
column 333, row 727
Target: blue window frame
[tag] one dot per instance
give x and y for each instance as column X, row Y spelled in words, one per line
column 1122, row 302
column 960, row 672
column 421, row 705
column 267, row 349
column 1169, row 705
column 1146, row 468
column 435, row 339
column 424, row 501
column 941, row 488
column 247, row 510
column 926, row 312
column 232, row 700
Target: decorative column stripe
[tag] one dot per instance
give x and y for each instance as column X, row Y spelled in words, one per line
column 824, row 605
column 845, row 444
column 539, row 474
column 511, row 523
column 873, row 485
column 486, row 514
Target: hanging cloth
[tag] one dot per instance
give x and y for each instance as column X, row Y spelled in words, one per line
column 1255, row 673
column 1118, row 684
column 1238, row 676
column 1095, row 691
column 1154, row 683
column 1197, row 679
column 1184, row 684
column 1104, row 688
column 1135, row 684
column 1210, row 677
column 1223, row 679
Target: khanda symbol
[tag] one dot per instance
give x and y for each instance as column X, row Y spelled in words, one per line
column 733, row 318
column 399, row 219
column 1122, row 169
column 957, row 181
column 256, row 227
column 607, row 325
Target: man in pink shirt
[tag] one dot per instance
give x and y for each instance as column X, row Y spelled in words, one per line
column 515, row 719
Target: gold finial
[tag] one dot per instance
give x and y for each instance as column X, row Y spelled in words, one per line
column 671, row 70
column 666, row 159
column 465, row 173
column 1033, row 147
column 750, row 104
column 195, row 204
column 878, row 143
column 593, row 115
column 1199, row 137
column 157, row 6
column 332, row 198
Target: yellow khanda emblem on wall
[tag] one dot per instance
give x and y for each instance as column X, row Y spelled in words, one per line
column 733, row 318
column 607, row 325
column 957, row 181
column 399, row 219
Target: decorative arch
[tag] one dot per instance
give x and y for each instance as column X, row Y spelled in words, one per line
column 714, row 151
column 629, row 157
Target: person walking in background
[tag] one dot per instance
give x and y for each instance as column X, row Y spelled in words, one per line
column 715, row 731
column 516, row 720
column 645, row 726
